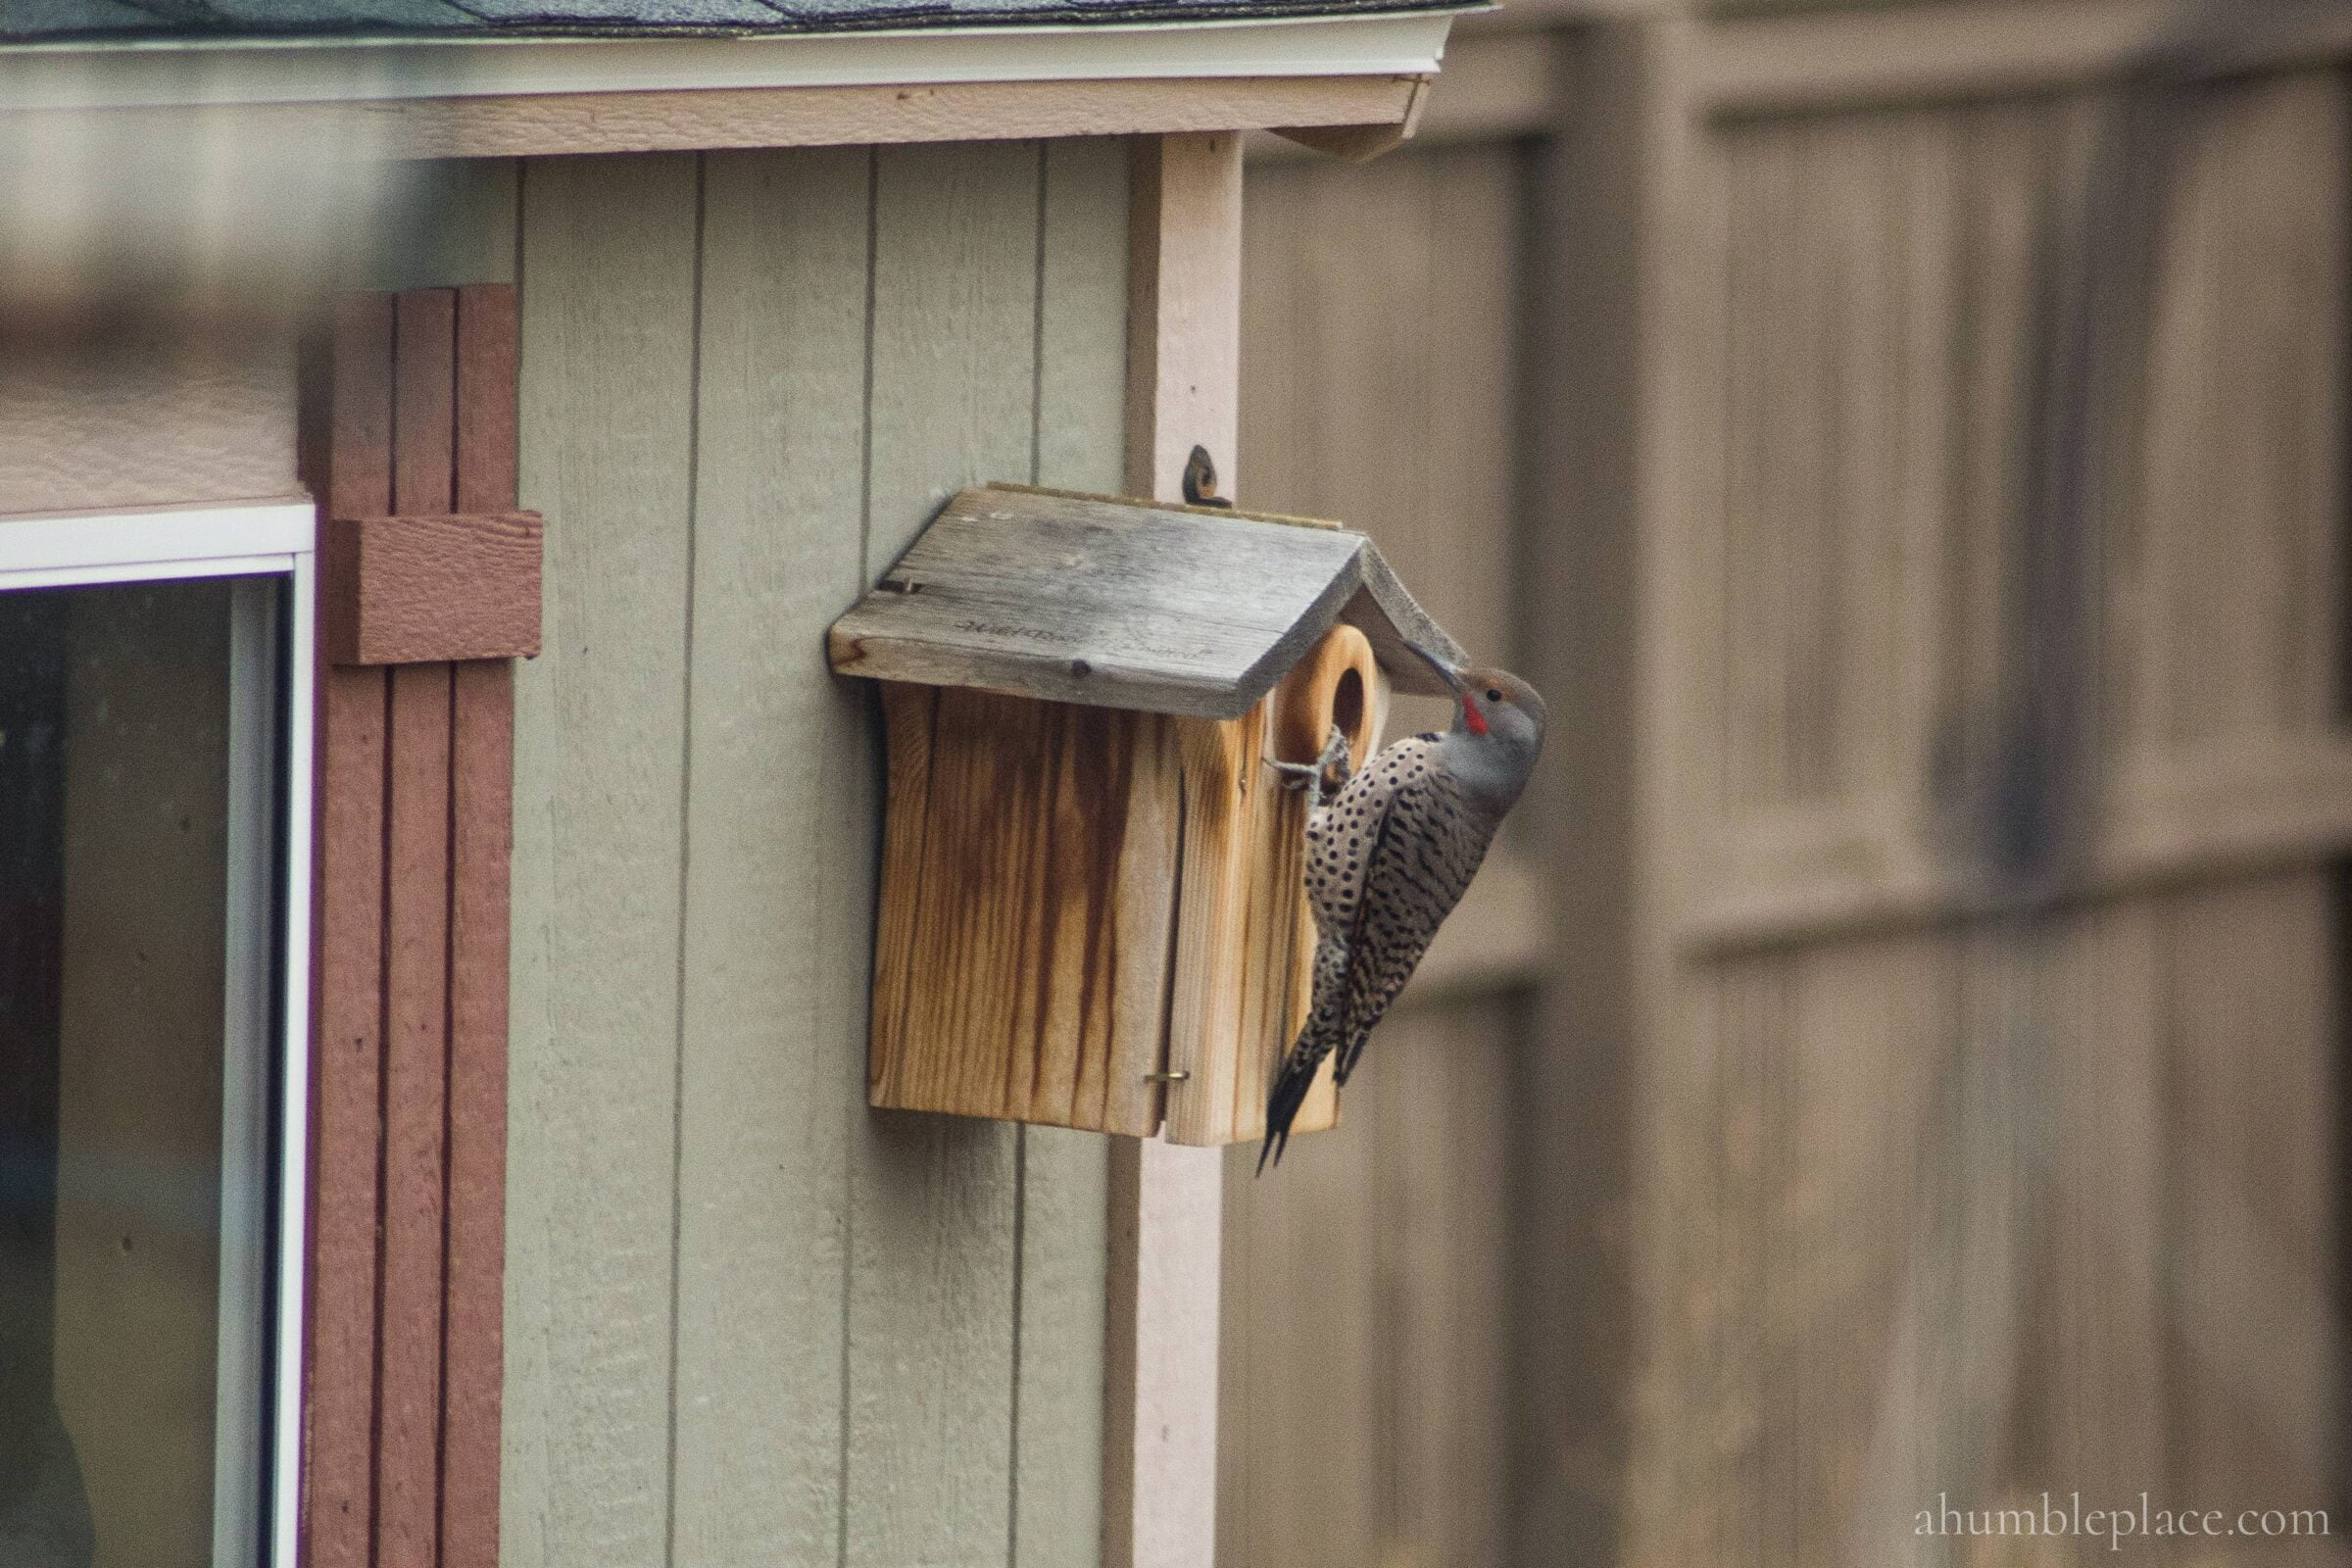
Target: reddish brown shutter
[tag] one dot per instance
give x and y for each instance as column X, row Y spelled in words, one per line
column 426, row 571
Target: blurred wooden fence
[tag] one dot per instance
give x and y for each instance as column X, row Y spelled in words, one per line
column 1368, row 1279
column 1790, row 1188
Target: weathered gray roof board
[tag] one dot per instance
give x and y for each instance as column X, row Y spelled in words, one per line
column 47, row 20
column 1124, row 604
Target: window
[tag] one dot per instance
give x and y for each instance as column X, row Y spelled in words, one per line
column 155, row 690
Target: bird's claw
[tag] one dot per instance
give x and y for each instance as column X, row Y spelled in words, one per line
column 1334, row 758
column 1311, row 776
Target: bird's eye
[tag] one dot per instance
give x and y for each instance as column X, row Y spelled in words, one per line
column 1493, row 694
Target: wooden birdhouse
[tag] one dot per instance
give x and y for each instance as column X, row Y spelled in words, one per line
column 1093, row 910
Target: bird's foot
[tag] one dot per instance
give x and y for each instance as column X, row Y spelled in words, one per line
column 1311, row 776
column 1334, row 759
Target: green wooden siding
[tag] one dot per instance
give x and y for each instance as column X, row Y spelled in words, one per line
column 750, row 1321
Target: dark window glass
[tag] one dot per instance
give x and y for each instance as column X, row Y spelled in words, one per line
column 134, row 1064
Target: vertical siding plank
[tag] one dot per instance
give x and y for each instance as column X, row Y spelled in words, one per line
column 415, row 974
column 483, row 449
column 473, row 1353
column 778, row 898
column 608, row 274
column 415, row 1087
column 424, row 338
column 934, row 1200
column 1081, row 376
column 481, row 851
column 353, row 470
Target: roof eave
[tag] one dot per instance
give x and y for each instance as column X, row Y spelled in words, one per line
column 183, row 72
column 520, row 98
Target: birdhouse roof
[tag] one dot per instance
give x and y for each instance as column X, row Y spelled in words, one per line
column 1127, row 604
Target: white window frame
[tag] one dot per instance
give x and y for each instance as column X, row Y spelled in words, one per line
column 270, row 539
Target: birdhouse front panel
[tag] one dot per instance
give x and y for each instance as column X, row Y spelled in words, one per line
column 1096, row 917
column 1021, row 967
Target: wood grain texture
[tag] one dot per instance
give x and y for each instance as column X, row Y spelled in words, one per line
column 473, row 1347
column 934, row 1201
column 425, row 401
column 415, row 895
column 2105, row 1418
column 1396, row 428
column 1160, row 1362
column 2231, row 636
column 608, row 309
column 1081, row 386
column 1074, row 898
column 1117, row 604
column 1057, row 1421
column 1029, row 885
column 1578, row 1317
column 411, row 868
column 780, row 822
column 481, row 944
column 1244, row 955
column 1368, row 1314
column 1979, row 1189
column 918, row 1299
column 1369, row 1295
column 488, row 343
column 1184, row 257
column 421, row 589
column 544, row 125
column 2255, row 1015
column 1960, row 51
column 350, row 464
column 1092, row 599
column 1299, row 1479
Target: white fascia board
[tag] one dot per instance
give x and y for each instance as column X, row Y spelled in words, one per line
column 162, row 74
column 189, row 542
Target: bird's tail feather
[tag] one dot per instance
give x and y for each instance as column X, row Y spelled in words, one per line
column 1298, row 1076
column 1324, row 1022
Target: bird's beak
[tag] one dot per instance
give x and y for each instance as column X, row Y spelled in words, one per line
column 1451, row 676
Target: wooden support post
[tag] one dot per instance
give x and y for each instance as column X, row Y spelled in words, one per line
column 1183, row 329
column 1604, row 154
column 1159, row 1494
column 428, row 569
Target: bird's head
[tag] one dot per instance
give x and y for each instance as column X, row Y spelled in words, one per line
column 1493, row 705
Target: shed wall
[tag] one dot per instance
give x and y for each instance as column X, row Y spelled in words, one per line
column 748, row 1319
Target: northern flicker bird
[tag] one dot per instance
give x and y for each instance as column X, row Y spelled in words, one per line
column 1390, row 855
